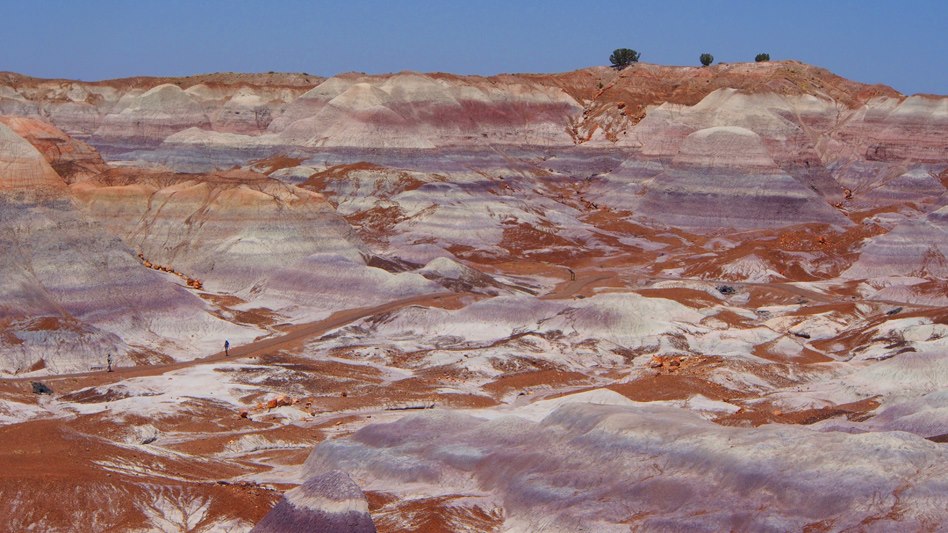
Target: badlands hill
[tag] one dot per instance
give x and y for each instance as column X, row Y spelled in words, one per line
column 412, row 110
column 659, row 298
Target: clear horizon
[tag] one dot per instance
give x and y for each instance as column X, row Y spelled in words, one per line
column 901, row 45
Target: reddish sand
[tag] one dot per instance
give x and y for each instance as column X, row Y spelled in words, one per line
column 431, row 515
column 46, row 463
column 764, row 413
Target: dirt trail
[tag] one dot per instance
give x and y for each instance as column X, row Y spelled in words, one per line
column 790, row 288
column 293, row 336
column 568, row 289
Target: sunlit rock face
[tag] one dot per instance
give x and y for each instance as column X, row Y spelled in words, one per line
column 71, row 159
column 153, row 114
column 893, row 130
column 779, row 120
column 23, row 169
column 419, row 111
column 624, row 320
column 75, row 257
column 194, row 223
column 805, row 115
column 724, row 176
column 916, row 247
column 330, row 502
column 246, row 235
column 73, row 292
column 829, row 134
column 908, row 263
column 243, row 109
column 69, row 305
column 140, row 112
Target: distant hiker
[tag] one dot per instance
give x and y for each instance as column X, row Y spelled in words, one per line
column 108, row 361
column 226, row 348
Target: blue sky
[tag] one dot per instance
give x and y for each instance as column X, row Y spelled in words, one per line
column 902, row 44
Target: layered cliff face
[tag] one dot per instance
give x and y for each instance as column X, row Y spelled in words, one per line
column 23, row 169
column 79, row 108
column 734, row 276
column 725, row 176
column 73, row 292
column 71, row 159
column 243, row 234
column 417, row 111
column 909, row 262
column 413, row 110
column 828, row 134
column 67, row 307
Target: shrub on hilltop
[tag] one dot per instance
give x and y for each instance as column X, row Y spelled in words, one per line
column 706, row 59
column 623, row 57
column 760, row 58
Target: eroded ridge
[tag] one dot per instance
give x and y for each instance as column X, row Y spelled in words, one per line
column 655, row 298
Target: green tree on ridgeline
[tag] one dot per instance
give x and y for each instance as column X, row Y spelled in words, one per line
column 706, row 59
column 623, row 57
column 760, row 58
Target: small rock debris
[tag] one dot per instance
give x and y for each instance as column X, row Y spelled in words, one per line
column 40, row 388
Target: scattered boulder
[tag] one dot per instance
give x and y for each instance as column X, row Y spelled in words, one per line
column 40, row 388
column 669, row 363
column 279, row 401
column 726, row 290
column 144, row 434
